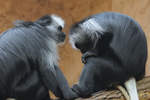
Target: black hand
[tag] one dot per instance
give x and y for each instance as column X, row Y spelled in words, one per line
column 86, row 55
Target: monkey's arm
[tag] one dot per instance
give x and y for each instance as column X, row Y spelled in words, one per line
column 64, row 86
column 54, row 80
column 49, row 80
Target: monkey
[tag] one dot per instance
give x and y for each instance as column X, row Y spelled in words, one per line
column 29, row 60
column 114, row 53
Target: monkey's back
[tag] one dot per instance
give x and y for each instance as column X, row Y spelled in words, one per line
column 128, row 41
column 18, row 70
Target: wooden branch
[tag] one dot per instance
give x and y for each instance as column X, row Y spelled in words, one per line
column 143, row 90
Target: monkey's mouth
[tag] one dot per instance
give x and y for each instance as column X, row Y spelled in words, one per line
column 61, row 42
column 62, row 39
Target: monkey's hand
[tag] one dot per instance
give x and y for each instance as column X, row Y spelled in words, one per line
column 76, row 89
column 81, row 92
column 86, row 55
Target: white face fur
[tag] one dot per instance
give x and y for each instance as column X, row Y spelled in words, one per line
column 57, row 21
column 55, row 27
column 90, row 27
column 52, row 57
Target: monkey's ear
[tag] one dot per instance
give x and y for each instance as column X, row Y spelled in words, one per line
column 96, row 37
column 102, row 38
column 44, row 21
column 18, row 23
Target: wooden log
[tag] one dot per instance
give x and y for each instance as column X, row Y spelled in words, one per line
column 143, row 91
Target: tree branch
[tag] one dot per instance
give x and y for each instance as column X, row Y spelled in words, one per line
column 143, row 90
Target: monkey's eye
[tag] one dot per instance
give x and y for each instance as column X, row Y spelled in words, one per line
column 59, row 28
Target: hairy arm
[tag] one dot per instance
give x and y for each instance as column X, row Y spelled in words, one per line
column 49, row 79
column 54, row 80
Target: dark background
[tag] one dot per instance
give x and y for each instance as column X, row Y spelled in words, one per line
column 72, row 11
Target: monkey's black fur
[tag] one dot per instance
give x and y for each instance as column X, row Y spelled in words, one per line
column 28, row 62
column 119, row 54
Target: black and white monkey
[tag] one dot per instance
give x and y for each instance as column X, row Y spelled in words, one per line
column 114, row 49
column 28, row 60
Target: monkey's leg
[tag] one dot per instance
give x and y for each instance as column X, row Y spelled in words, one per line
column 31, row 88
column 124, row 92
column 1, row 97
column 3, row 91
column 85, row 87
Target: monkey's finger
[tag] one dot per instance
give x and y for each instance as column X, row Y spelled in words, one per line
column 83, row 60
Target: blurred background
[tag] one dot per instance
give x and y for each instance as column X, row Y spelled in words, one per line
column 72, row 11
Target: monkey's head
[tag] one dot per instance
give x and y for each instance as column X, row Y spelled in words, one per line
column 85, row 34
column 54, row 24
